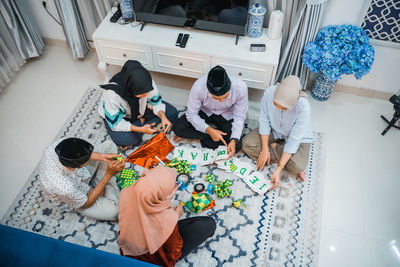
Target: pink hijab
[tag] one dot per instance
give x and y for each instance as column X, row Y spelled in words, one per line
column 146, row 217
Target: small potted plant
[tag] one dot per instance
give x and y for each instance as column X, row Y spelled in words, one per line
column 337, row 50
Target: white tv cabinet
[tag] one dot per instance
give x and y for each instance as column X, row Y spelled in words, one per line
column 155, row 48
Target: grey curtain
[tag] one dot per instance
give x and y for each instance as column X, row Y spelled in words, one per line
column 79, row 19
column 303, row 29
column 20, row 38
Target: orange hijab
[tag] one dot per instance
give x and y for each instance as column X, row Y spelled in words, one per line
column 146, row 217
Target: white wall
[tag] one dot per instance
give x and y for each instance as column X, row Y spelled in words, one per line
column 48, row 27
column 384, row 75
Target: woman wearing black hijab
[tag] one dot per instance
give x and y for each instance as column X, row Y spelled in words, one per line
column 131, row 105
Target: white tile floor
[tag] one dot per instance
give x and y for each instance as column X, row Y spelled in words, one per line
column 361, row 206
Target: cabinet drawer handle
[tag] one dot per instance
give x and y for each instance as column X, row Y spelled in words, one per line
column 240, row 74
column 124, row 55
column 180, row 64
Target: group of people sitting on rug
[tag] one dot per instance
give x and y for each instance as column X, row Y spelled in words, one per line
column 131, row 106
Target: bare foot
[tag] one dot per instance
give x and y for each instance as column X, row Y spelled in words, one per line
column 302, row 176
column 177, row 139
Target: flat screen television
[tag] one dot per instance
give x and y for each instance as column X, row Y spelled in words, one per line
column 225, row 16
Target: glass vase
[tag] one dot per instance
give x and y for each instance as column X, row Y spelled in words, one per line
column 322, row 88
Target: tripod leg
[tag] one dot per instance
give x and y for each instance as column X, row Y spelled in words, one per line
column 391, row 123
column 383, row 117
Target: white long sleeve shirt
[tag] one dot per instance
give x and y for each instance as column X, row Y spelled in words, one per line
column 117, row 112
column 233, row 107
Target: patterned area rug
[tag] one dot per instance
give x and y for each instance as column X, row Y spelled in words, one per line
column 279, row 229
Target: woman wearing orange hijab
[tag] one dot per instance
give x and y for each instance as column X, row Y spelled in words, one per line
column 149, row 226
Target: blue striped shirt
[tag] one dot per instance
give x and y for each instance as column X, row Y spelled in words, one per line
column 292, row 125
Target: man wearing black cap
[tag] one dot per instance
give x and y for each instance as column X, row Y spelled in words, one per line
column 67, row 168
column 215, row 99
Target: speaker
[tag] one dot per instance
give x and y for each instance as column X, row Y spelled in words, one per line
column 275, row 25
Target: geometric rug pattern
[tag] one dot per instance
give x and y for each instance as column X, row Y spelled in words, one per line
column 280, row 228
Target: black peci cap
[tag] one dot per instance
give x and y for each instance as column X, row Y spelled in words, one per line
column 74, row 152
column 218, row 82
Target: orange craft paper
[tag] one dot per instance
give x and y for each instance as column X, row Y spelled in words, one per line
column 158, row 146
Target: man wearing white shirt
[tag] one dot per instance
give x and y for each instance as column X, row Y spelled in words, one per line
column 215, row 99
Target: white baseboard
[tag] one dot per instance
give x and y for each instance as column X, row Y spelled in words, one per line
column 362, row 91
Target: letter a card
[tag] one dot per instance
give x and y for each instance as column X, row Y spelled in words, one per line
column 195, row 155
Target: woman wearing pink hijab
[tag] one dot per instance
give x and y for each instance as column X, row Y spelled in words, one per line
column 149, row 227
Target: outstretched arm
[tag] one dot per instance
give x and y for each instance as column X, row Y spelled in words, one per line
column 113, row 168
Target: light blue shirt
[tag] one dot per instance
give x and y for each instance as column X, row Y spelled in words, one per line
column 292, row 125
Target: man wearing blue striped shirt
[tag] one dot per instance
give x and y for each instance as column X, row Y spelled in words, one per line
column 284, row 134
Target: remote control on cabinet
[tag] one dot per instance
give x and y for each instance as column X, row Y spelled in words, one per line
column 184, row 40
column 179, row 40
column 116, row 15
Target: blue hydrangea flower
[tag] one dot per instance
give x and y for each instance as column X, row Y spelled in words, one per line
column 339, row 49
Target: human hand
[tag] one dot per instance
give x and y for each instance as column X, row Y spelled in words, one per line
column 108, row 157
column 216, row 135
column 276, row 178
column 148, row 128
column 179, row 209
column 115, row 167
column 166, row 124
column 142, row 120
column 231, row 148
column 263, row 158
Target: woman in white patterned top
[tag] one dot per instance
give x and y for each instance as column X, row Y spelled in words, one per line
column 131, row 106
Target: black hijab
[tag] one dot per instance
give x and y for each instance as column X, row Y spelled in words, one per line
column 132, row 80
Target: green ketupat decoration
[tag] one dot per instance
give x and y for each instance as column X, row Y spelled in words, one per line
column 239, row 203
column 198, row 202
column 127, row 178
column 182, row 166
column 210, row 178
column 220, row 189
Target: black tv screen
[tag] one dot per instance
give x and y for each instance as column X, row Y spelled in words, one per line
column 225, row 16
